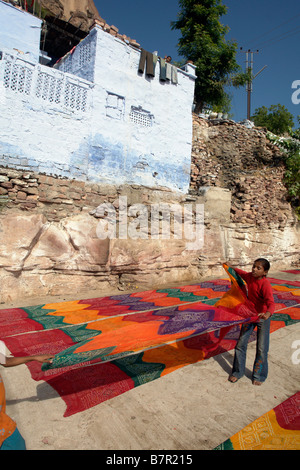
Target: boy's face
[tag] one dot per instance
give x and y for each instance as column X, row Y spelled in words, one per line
column 258, row 271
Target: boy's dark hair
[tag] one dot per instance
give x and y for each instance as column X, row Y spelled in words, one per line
column 264, row 262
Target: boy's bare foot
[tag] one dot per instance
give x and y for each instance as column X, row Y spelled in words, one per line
column 232, row 379
column 256, row 382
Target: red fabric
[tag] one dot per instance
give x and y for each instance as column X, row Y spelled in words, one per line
column 284, row 282
column 288, row 413
column 16, row 321
column 259, row 292
column 83, row 387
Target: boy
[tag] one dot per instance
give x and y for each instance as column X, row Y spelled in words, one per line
column 260, row 293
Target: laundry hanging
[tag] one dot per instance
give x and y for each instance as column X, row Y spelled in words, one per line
column 147, row 58
column 168, row 72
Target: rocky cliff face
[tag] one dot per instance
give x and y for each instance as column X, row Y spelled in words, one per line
column 80, row 13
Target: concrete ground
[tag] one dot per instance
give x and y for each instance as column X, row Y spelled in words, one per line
column 193, row 408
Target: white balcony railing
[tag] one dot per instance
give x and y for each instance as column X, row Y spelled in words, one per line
column 50, row 87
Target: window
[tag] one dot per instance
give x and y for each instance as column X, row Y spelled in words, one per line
column 115, row 106
column 141, row 117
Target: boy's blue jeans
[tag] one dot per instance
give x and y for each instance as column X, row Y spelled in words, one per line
column 260, row 367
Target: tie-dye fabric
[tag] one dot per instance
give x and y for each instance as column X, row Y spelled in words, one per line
column 62, row 314
column 279, row 429
column 53, row 328
column 124, row 335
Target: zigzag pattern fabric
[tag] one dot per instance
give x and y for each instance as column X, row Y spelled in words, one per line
column 56, row 315
column 120, row 336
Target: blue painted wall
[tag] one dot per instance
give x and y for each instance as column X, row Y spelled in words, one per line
column 101, row 121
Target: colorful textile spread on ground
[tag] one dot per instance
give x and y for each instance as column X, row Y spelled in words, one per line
column 277, row 429
column 59, row 315
column 120, row 336
column 53, row 328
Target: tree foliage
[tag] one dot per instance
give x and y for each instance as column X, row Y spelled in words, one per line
column 203, row 42
column 276, row 119
column 290, row 145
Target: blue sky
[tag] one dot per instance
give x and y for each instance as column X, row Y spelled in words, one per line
column 270, row 26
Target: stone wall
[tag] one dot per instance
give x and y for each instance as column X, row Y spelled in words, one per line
column 49, row 243
column 80, row 13
column 50, row 246
column 229, row 155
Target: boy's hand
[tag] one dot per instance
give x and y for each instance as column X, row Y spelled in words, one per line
column 43, row 358
column 17, row 361
column 264, row 316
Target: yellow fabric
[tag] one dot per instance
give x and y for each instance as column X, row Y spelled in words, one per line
column 266, row 434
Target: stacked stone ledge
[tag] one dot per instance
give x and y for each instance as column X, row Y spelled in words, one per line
column 229, row 155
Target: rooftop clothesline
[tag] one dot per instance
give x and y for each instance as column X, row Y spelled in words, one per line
column 168, row 72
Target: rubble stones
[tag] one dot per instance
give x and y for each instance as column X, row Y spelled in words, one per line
column 229, row 155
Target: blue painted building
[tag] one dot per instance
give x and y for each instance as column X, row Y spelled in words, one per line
column 98, row 115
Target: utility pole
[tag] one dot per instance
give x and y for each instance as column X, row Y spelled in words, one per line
column 249, row 70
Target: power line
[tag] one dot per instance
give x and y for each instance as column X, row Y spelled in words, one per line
column 274, row 29
column 276, row 39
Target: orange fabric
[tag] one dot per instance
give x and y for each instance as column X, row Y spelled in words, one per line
column 278, row 429
column 7, row 425
column 123, row 335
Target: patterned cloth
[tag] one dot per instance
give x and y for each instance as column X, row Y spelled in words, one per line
column 121, row 336
column 53, row 328
column 277, row 429
column 58, row 315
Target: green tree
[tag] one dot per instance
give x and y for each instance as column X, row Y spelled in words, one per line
column 276, row 119
column 292, row 176
column 203, row 42
column 290, row 146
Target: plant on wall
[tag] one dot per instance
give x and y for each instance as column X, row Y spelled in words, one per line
column 290, row 147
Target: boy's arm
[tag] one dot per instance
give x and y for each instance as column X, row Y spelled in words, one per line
column 16, row 361
column 230, row 265
column 241, row 273
column 265, row 315
column 269, row 301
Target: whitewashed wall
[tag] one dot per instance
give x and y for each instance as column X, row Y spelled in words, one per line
column 19, row 31
column 44, row 117
column 95, row 117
